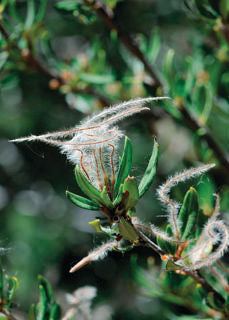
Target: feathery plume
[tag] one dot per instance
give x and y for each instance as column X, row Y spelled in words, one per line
column 215, row 232
column 173, row 206
column 93, row 144
column 96, row 254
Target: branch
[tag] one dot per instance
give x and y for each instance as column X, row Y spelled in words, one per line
column 195, row 275
column 108, row 16
column 39, row 67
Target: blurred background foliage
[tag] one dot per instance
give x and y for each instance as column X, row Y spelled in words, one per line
column 63, row 60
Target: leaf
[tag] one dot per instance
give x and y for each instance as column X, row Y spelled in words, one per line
column 118, row 199
column 32, row 312
column 87, row 187
column 96, row 225
column 30, row 14
column 55, row 312
column 130, row 186
column 205, row 9
column 171, row 266
column 150, row 170
column 68, row 5
column 105, row 198
column 13, row 12
column 95, row 78
column 224, row 8
column 9, row 81
column 41, row 12
column 215, row 302
column 42, row 306
column 127, row 230
column 125, row 165
column 188, row 214
column 47, row 288
column 1, row 282
column 13, row 285
column 154, row 46
column 3, row 58
column 167, row 247
column 82, row 202
column 168, row 69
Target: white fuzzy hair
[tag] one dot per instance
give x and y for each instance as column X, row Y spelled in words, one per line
column 214, row 232
column 171, row 205
column 96, row 254
column 94, row 143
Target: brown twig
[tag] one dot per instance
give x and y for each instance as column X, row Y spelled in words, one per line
column 108, row 16
column 195, row 275
column 36, row 65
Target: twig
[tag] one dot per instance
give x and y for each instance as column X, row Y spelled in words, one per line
column 108, row 16
column 38, row 66
column 195, row 275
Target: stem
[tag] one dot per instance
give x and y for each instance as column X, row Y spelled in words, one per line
column 195, row 275
column 108, row 16
column 39, row 67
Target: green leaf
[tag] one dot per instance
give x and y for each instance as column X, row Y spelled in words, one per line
column 168, row 69
column 188, row 214
column 154, row 46
column 87, row 187
column 96, row 225
column 95, row 78
column 14, row 13
column 167, row 247
column 3, row 58
column 130, row 186
column 118, row 199
column 224, row 8
column 55, row 312
column 125, row 165
column 127, row 230
column 205, row 9
column 215, row 302
column 68, row 5
column 47, row 288
column 12, row 287
column 171, row 266
column 9, row 81
column 30, row 14
column 41, row 12
column 42, row 306
column 150, row 170
column 105, row 198
column 32, row 312
column 1, row 282
column 82, row 202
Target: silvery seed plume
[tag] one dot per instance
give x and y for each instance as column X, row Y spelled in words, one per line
column 93, row 145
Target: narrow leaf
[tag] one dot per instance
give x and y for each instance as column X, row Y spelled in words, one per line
column 166, row 246
column 130, row 186
column 55, row 312
column 150, row 170
column 30, row 14
column 96, row 225
column 42, row 306
column 127, row 230
column 47, row 288
column 13, row 285
column 188, row 214
column 125, row 165
column 87, row 187
column 82, row 202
